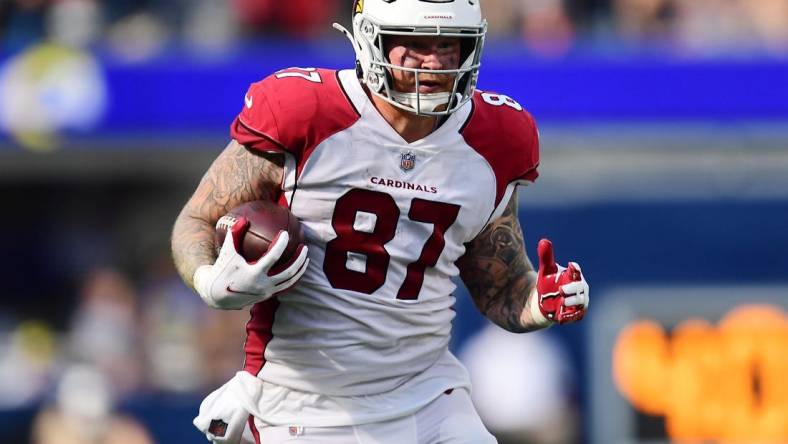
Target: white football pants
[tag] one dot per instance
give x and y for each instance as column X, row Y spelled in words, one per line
column 449, row 419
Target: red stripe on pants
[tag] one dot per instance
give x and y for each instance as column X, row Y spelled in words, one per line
column 255, row 433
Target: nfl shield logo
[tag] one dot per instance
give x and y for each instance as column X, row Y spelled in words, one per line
column 217, row 428
column 407, row 161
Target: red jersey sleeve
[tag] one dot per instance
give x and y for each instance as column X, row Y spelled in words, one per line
column 293, row 111
column 505, row 134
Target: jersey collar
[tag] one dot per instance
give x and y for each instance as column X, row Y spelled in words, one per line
column 355, row 91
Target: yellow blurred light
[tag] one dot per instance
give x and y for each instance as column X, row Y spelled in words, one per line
column 48, row 89
column 37, row 341
column 639, row 360
column 712, row 384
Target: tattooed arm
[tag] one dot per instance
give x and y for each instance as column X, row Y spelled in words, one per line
column 498, row 274
column 238, row 175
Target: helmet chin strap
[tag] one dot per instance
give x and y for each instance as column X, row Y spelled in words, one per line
column 422, row 102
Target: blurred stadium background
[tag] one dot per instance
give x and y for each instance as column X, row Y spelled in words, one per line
column 665, row 173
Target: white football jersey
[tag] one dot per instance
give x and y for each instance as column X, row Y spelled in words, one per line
column 363, row 335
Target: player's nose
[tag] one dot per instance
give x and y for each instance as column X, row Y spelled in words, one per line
column 431, row 60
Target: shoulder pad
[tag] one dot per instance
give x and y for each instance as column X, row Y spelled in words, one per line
column 293, row 110
column 505, row 134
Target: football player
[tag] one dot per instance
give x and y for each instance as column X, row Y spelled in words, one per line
column 403, row 175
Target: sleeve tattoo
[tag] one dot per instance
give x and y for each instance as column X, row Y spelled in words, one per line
column 236, row 176
column 498, row 273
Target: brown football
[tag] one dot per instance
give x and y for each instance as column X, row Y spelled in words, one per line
column 266, row 219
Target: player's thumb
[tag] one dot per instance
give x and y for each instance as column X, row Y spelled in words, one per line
column 547, row 263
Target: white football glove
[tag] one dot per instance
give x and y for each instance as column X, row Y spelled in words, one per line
column 225, row 412
column 231, row 283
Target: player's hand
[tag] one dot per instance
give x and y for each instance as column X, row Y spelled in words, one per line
column 231, row 283
column 225, row 412
column 561, row 294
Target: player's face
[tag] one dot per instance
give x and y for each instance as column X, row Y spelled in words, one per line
column 425, row 53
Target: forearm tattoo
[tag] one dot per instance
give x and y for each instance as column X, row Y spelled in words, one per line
column 236, row 176
column 498, row 274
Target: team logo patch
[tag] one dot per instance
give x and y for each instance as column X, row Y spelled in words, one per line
column 407, row 161
column 217, row 428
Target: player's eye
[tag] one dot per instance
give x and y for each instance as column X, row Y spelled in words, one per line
column 416, row 44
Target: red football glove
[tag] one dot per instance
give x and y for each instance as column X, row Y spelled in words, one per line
column 561, row 294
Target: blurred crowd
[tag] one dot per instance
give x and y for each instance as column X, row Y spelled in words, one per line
column 693, row 27
column 124, row 339
column 549, row 27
